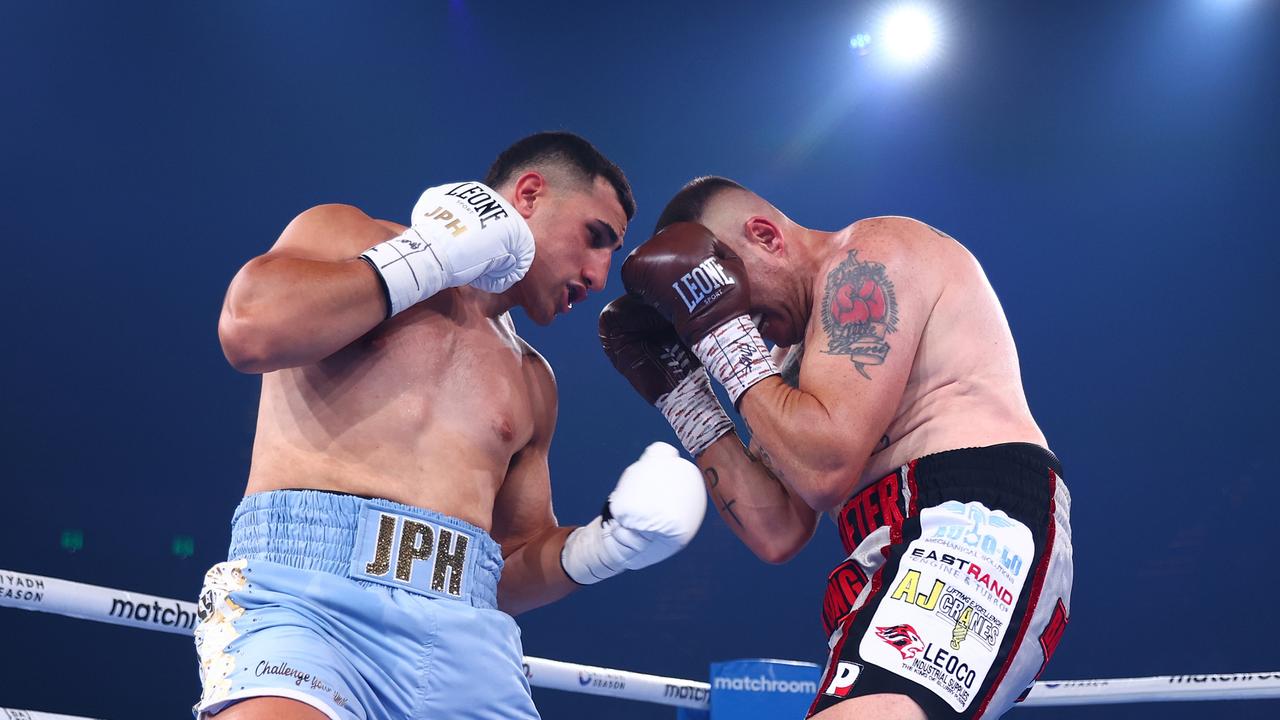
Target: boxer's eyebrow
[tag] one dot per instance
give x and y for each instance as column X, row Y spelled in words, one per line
column 605, row 232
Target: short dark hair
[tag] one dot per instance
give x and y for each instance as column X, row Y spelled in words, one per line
column 690, row 203
column 568, row 150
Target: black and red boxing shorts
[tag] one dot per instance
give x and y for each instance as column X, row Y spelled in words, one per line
column 957, row 587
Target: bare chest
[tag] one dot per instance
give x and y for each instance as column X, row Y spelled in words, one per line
column 454, row 387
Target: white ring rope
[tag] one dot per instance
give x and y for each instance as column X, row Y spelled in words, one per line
column 11, row 714
column 120, row 607
column 102, row 604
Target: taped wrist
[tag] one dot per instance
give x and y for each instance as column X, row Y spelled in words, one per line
column 736, row 356
column 411, row 267
column 694, row 412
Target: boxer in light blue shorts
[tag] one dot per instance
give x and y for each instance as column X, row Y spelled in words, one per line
column 391, row 368
column 360, row 608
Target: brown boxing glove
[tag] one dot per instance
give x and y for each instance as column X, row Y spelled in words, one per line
column 645, row 349
column 701, row 286
column 691, row 277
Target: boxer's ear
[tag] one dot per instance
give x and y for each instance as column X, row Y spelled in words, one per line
column 764, row 232
column 529, row 189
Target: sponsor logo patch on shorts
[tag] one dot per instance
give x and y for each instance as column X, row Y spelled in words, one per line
column 948, row 607
column 419, row 554
column 842, row 682
column 902, row 638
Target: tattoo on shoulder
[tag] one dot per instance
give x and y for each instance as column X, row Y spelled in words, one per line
column 859, row 309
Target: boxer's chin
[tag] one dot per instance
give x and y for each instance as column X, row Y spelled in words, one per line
column 778, row 330
column 768, row 325
column 763, row 326
column 542, row 314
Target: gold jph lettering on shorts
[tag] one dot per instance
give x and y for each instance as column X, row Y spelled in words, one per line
column 400, row 544
column 382, row 555
column 415, row 544
column 450, row 561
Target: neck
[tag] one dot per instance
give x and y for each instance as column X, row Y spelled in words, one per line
column 493, row 305
column 809, row 255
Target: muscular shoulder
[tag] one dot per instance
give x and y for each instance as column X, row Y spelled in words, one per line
column 536, row 366
column 333, row 232
column 898, row 250
column 541, row 382
column 904, row 239
column 883, row 276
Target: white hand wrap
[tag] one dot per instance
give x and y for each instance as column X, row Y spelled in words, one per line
column 461, row 233
column 654, row 511
column 694, row 412
column 736, row 356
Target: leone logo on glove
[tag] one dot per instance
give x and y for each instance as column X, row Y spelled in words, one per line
column 486, row 206
column 702, row 283
column 478, row 200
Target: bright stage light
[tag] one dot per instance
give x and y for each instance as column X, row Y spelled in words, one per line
column 910, row 34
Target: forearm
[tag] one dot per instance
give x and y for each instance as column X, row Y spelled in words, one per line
column 819, row 458
column 771, row 519
column 285, row 311
column 532, row 575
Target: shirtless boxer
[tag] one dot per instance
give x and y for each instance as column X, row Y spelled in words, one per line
column 400, row 463
column 905, row 421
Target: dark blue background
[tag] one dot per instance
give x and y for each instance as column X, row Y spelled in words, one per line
column 1113, row 166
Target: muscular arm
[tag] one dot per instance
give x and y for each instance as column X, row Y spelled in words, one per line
column 309, row 296
column 524, row 523
column 532, row 575
column 868, row 315
column 772, row 520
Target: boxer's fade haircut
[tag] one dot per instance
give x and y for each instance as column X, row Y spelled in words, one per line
column 567, row 151
column 690, row 204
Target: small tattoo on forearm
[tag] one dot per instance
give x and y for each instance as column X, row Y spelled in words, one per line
column 859, row 309
column 725, row 504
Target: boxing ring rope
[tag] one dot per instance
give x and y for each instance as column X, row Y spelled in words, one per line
column 120, row 607
column 11, row 714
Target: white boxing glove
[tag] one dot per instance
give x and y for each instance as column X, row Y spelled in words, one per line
column 460, row 234
column 655, row 511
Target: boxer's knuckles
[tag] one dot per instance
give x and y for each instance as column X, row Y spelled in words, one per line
column 661, row 496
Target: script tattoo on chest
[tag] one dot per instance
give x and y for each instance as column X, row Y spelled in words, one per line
column 859, row 309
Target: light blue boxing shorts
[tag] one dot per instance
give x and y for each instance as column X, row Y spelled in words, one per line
column 360, row 608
